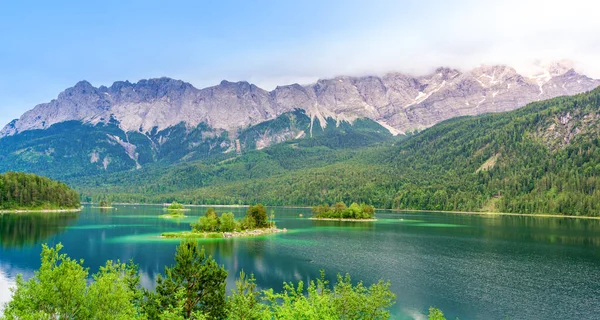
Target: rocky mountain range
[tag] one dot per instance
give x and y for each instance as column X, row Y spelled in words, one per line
column 399, row 102
column 91, row 130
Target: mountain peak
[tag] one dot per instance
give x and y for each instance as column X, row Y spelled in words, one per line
column 401, row 101
column 447, row 73
column 118, row 85
column 81, row 88
column 83, row 84
column 551, row 69
column 561, row 67
column 226, row 83
column 159, row 81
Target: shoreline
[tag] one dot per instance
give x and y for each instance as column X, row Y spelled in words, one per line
column 487, row 213
column 221, row 235
column 172, row 216
column 343, row 219
column 41, row 210
column 202, row 205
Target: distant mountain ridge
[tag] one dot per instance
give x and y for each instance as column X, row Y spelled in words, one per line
column 399, row 102
column 127, row 126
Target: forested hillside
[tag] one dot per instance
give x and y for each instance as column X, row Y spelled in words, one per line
column 544, row 158
column 73, row 150
column 29, row 191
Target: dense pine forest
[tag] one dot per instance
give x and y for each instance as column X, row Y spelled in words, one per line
column 543, row 158
column 31, row 192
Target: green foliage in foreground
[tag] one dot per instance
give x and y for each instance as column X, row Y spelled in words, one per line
column 194, row 288
column 256, row 217
column 340, row 211
column 31, row 192
column 59, row 290
column 435, row 314
column 198, row 278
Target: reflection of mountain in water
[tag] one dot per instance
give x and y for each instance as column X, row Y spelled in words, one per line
column 26, row 229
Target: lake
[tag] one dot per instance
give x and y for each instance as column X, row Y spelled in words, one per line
column 470, row 266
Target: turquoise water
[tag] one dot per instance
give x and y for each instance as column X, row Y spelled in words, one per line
column 472, row 267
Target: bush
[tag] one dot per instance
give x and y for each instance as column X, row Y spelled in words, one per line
column 247, row 223
column 211, row 222
column 228, row 223
column 208, row 223
column 175, row 206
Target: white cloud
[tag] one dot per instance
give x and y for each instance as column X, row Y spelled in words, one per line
column 358, row 38
column 459, row 34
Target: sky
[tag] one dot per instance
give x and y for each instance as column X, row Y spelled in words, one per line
column 48, row 46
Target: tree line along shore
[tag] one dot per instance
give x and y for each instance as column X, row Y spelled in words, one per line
column 29, row 192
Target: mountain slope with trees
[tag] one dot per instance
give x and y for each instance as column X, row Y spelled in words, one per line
column 71, row 150
column 544, row 158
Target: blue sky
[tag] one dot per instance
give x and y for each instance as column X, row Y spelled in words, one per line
column 47, row 46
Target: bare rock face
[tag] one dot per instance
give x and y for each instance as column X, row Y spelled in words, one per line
column 399, row 102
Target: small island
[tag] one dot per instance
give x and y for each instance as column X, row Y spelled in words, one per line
column 339, row 211
column 23, row 192
column 211, row 225
column 176, row 206
column 104, row 204
column 174, row 211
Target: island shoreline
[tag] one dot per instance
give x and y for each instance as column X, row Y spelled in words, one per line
column 343, row 219
column 222, row 235
column 539, row 215
column 542, row 215
column 41, row 210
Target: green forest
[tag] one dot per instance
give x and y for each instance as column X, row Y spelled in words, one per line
column 21, row 191
column 543, row 158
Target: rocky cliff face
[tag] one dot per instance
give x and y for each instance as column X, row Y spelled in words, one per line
column 399, row 102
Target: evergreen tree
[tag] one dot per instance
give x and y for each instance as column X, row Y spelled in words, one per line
column 200, row 278
column 259, row 214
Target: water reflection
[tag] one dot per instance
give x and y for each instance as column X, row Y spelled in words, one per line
column 339, row 223
column 5, row 285
column 27, row 229
column 548, row 230
column 469, row 265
